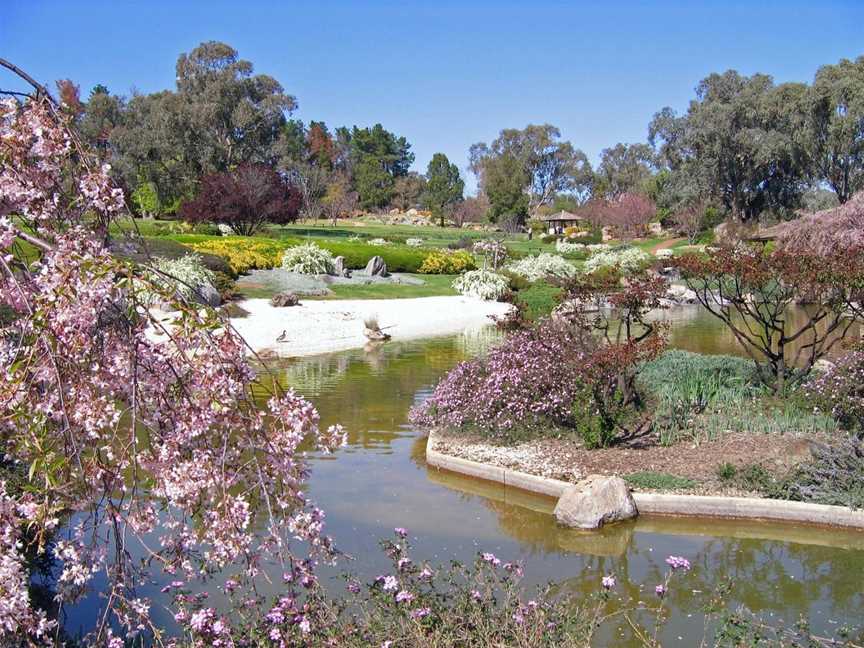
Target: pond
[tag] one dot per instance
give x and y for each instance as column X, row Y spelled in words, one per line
column 380, row 481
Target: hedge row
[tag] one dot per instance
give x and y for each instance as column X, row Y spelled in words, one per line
column 248, row 253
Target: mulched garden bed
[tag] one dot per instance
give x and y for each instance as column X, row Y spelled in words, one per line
column 569, row 460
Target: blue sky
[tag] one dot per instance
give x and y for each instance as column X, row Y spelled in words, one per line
column 445, row 74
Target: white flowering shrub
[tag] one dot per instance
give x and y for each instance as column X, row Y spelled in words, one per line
column 598, row 247
column 414, row 242
column 378, row 242
column 665, row 253
column 185, row 275
column 628, row 260
column 308, row 259
column 482, row 284
column 543, row 265
column 225, row 230
column 565, row 247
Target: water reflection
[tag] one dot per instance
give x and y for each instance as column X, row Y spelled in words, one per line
column 692, row 328
column 381, row 481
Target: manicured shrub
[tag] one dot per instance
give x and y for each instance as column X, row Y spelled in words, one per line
column 445, row 262
column 308, row 259
column 242, row 253
column 549, row 238
column 541, row 266
column 357, row 254
column 840, row 390
column 538, row 299
column 566, row 247
column 482, row 284
column 628, row 260
column 184, row 276
column 542, row 380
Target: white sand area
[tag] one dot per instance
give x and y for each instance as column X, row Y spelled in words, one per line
column 321, row 326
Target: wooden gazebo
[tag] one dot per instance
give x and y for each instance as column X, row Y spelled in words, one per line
column 556, row 222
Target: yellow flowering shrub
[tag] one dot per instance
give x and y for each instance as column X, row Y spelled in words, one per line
column 243, row 254
column 447, row 262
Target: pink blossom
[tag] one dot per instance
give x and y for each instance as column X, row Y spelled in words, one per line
column 678, row 562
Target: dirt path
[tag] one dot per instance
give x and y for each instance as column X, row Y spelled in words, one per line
column 666, row 244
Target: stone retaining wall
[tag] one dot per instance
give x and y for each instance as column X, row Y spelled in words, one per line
column 658, row 503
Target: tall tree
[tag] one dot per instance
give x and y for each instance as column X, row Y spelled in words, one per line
column 738, row 141
column 103, row 112
column 220, row 115
column 624, row 168
column 377, row 158
column 444, row 186
column 506, row 179
column 322, row 149
column 834, row 134
column 549, row 166
column 408, row 190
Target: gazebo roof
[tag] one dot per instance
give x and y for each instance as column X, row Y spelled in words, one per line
column 562, row 216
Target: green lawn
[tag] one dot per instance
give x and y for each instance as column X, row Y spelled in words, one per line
column 435, row 285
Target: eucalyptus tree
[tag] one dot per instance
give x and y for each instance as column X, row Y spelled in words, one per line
column 834, row 133
column 548, row 165
column 624, row 168
column 738, row 142
column 220, row 115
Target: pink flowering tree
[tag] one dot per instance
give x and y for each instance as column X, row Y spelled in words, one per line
column 147, row 430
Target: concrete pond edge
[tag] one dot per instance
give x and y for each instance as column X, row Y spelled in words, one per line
column 749, row 508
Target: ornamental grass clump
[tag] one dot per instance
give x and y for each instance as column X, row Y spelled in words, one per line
column 534, row 268
column 308, row 258
column 628, row 260
column 482, row 284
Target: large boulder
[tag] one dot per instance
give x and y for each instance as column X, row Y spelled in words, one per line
column 283, row 299
column 339, row 267
column 207, row 295
column 376, row 267
column 595, row 501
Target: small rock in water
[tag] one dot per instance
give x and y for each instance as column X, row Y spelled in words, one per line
column 284, row 299
column 595, row 501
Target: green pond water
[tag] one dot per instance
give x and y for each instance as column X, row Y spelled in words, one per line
column 381, row 481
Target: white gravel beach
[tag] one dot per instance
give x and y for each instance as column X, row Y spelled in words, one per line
column 321, row 326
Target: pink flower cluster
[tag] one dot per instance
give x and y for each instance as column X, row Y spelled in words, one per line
column 129, row 419
column 533, row 377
